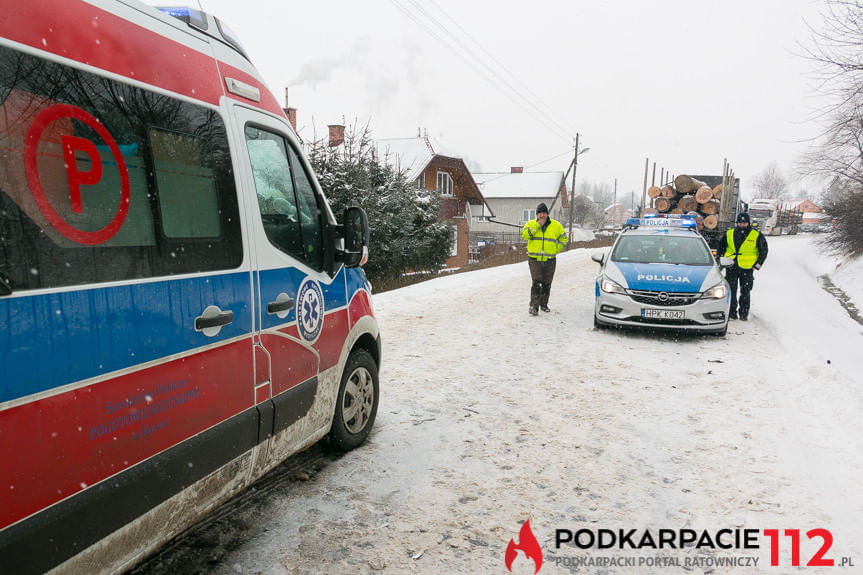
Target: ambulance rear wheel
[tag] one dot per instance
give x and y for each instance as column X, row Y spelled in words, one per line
column 357, row 402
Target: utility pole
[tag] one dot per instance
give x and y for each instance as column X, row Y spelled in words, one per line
column 572, row 191
column 644, row 188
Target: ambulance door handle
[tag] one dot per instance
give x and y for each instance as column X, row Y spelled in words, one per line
column 211, row 321
column 281, row 306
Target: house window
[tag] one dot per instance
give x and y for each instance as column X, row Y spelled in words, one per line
column 527, row 215
column 444, row 184
column 482, row 219
column 454, row 241
column 421, row 181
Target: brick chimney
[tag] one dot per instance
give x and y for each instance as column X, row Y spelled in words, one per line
column 516, row 170
column 291, row 113
column 337, row 134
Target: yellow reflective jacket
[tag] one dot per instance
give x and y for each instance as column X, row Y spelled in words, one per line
column 748, row 253
column 544, row 244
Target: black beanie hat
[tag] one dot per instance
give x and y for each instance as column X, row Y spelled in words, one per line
column 541, row 208
column 743, row 217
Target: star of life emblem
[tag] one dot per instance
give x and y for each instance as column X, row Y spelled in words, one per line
column 310, row 311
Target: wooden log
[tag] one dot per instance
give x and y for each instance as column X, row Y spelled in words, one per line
column 703, row 195
column 678, row 210
column 668, row 192
column 662, row 205
column 687, row 185
column 710, row 208
column 653, row 192
column 699, row 219
column 687, row 203
column 717, row 192
column 710, row 222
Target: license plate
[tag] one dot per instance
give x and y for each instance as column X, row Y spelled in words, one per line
column 662, row 313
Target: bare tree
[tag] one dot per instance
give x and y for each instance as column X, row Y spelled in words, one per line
column 835, row 50
column 770, row 183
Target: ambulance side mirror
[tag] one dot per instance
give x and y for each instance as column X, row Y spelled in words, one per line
column 356, row 237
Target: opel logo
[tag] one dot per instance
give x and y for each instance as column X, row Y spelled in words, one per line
column 663, row 296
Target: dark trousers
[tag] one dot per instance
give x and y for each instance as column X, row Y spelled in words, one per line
column 746, row 278
column 541, row 273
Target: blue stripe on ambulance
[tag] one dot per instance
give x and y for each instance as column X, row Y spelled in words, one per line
column 288, row 280
column 54, row 339
column 663, row 277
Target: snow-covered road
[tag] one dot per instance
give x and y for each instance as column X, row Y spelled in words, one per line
column 490, row 417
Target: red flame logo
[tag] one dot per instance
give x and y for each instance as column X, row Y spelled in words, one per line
column 527, row 544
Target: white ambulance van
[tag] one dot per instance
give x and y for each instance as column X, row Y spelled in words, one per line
column 179, row 309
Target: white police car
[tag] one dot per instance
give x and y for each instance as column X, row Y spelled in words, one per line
column 660, row 274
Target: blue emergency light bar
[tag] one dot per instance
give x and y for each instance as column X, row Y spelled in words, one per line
column 188, row 15
column 663, row 220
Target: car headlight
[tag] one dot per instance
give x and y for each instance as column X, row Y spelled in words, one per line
column 611, row 286
column 718, row 291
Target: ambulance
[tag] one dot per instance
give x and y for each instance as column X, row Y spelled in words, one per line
column 180, row 310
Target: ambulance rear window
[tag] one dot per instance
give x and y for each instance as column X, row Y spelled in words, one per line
column 103, row 181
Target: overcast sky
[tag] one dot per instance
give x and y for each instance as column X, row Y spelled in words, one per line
column 685, row 83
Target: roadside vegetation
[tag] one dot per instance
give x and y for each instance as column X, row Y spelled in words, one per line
column 835, row 50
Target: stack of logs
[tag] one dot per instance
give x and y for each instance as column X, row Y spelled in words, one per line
column 687, row 195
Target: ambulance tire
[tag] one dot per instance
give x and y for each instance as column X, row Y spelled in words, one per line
column 357, row 402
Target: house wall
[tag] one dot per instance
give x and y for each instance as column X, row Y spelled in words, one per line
column 455, row 208
column 510, row 210
column 808, row 207
column 462, row 258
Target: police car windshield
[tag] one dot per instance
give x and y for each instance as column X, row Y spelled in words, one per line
column 648, row 249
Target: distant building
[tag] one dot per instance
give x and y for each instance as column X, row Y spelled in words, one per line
column 812, row 214
column 461, row 198
column 514, row 195
column 616, row 215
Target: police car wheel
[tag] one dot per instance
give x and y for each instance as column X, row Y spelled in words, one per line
column 357, row 402
column 722, row 332
column 597, row 324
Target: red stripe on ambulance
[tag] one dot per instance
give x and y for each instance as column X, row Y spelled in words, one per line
column 129, row 50
column 104, row 428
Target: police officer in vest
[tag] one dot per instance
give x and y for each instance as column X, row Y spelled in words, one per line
column 748, row 249
column 545, row 239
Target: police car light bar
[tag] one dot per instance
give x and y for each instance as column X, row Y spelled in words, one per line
column 663, row 220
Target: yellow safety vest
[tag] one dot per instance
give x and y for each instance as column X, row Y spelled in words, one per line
column 748, row 254
column 544, row 244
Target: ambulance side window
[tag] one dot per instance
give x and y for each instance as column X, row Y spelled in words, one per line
column 310, row 214
column 286, row 198
column 104, row 181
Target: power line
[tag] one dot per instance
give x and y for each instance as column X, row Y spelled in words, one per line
column 504, row 68
column 480, row 67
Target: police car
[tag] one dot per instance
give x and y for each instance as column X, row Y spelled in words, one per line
column 660, row 274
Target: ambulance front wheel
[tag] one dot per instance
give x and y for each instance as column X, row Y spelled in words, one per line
column 357, row 402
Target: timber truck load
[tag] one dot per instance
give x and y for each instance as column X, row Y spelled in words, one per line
column 715, row 200
column 775, row 217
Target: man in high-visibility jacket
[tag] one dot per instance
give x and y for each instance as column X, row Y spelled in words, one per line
column 748, row 249
column 545, row 239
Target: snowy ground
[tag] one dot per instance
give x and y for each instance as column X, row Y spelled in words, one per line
column 490, row 417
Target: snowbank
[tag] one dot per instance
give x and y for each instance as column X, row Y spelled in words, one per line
column 848, row 276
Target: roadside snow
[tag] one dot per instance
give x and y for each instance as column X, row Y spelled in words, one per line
column 490, row 417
